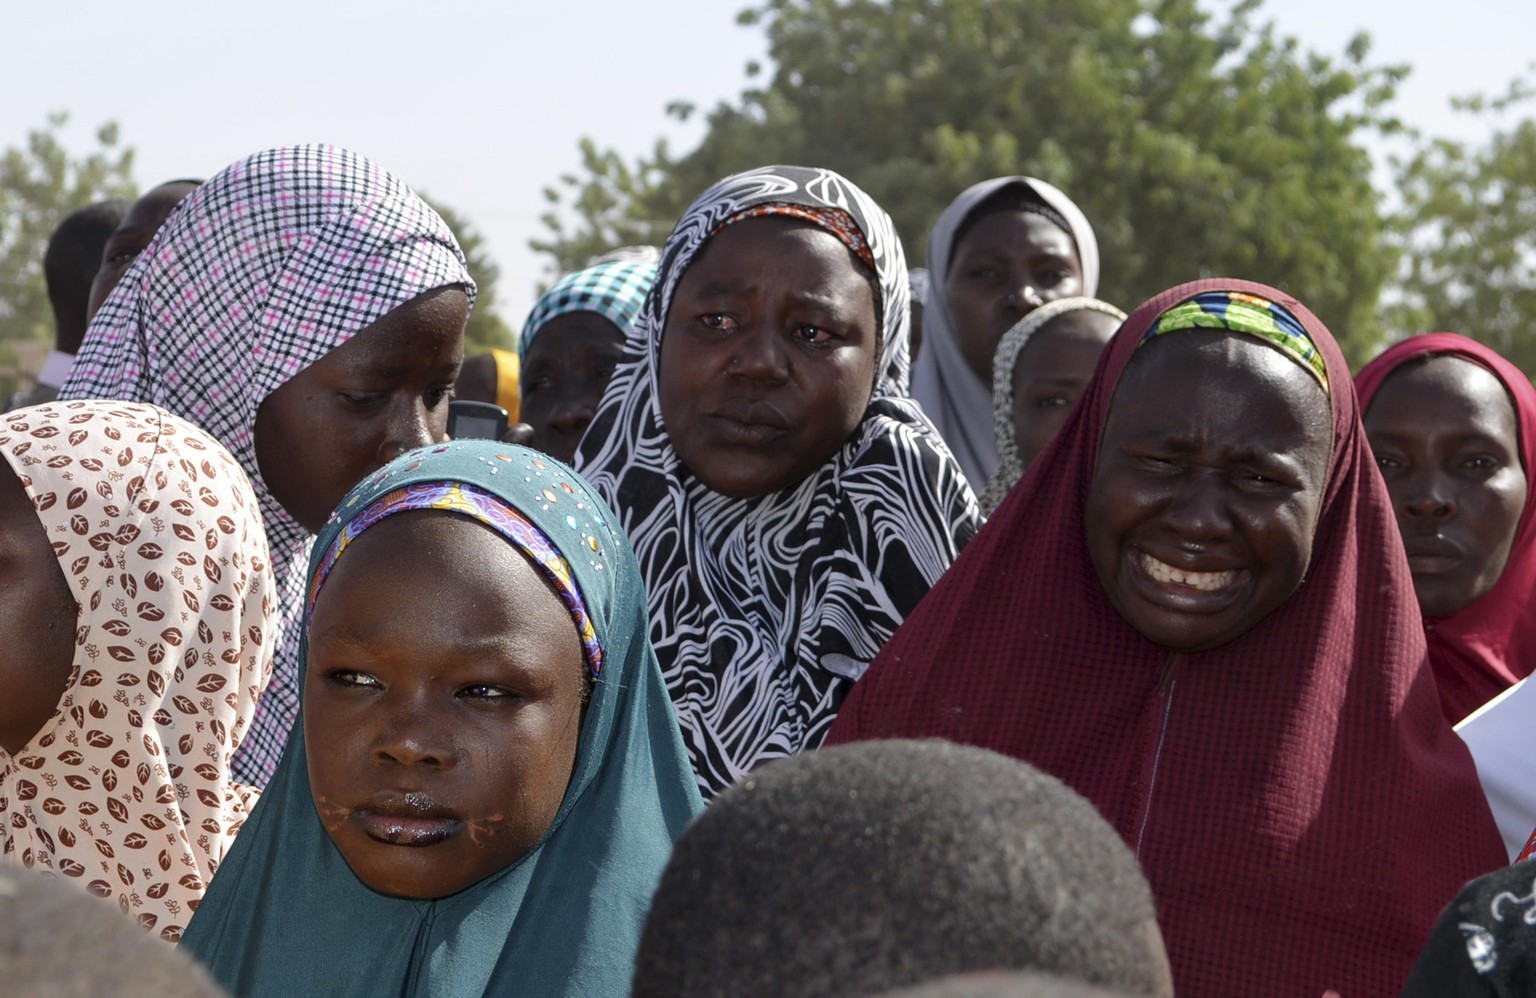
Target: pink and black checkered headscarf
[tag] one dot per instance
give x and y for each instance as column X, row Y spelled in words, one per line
column 266, row 268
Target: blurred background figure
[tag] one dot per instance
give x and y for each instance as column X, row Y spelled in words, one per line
column 492, row 377
column 73, row 256
column 132, row 235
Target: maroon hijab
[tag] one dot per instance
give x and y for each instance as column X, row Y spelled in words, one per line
column 1297, row 800
column 1489, row 645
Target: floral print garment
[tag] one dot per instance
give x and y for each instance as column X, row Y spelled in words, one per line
column 126, row 789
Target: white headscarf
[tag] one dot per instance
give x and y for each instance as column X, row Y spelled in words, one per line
column 957, row 401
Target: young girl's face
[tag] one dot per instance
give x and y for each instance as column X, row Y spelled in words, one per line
column 1051, row 371
column 768, row 356
column 442, row 704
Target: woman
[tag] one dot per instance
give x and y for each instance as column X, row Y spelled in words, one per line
column 1001, row 249
column 308, row 310
column 1041, row 367
column 487, row 778
column 492, row 377
column 1201, row 619
column 788, row 503
column 572, row 342
column 137, row 627
column 1453, row 428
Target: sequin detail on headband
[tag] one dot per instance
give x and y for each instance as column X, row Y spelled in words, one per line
column 834, row 220
column 494, row 512
column 1248, row 314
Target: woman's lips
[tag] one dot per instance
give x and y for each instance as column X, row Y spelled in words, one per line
column 748, row 424
column 1431, row 555
column 410, row 819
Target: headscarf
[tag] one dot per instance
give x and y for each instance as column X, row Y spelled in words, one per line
column 764, row 611
column 614, row 291
column 1010, row 469
column 126, row 790
column 1297, row 800
column 260, row 272
column 1489, row 645
column 509, row 395
column 287, row 915
column 952, row 395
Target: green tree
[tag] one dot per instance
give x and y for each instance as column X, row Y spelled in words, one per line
column 486, row 328
column 1197, row 144
column 40, row 183
column 1467, row 227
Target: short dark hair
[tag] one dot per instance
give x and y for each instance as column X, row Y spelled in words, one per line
column 56, row 941
column 883, row 864
column 70, row 264
column 1000, row 984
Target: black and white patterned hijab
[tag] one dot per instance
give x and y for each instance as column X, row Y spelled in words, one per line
column 257, row 274
column 764, row 611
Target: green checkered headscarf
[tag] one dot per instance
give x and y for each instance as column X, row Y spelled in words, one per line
column 1249, row 314
column 614, row 291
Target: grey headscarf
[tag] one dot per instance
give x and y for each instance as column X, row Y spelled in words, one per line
column 957, row 401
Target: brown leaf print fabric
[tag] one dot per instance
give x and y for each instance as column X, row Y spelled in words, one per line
column 126, row 790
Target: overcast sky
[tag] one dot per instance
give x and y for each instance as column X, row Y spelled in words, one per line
column 481, row 105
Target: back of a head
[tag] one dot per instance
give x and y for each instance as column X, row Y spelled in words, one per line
column 1000, row 984
column 55, row 942
column 70, row 264
column 882, row 864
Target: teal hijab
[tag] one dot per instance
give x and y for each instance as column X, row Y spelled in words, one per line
column 285, row 915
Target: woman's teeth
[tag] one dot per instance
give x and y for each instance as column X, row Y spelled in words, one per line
column 1206, row 581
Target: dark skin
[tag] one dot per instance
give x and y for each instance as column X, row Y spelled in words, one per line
column 443, row 704
column 565, row 369
column 38, row 616
column 1008, row 264
column 1050, row 374
column 1203, row 506
column 477, row 379
column 381, row 393
column 132, row 237
column 768, row 356
column 1447, row 441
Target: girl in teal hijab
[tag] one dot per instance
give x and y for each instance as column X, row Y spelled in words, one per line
column 440, row 825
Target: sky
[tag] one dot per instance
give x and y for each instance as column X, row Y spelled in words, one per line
column 481, row 105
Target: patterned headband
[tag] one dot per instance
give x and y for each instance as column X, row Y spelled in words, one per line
column 477, row 504
column 1248, row 314
column 833, row 220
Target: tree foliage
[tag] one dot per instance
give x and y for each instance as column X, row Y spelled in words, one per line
column 1197, row 144
column 1468, row 232
column 486, row 328
column 40, row 183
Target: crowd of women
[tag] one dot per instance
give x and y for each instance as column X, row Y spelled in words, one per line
column 339, row 704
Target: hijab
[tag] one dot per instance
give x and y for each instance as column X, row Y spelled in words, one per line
column 1489, row 645
column 257, row 274
column 287, row 915
column 1009, row 468
column 1295, row 795
column 613, row 290
column 765, row 610
column 126, row 790
column 952, row 395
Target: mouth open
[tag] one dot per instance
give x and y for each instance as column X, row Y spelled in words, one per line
column 1207, row 582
